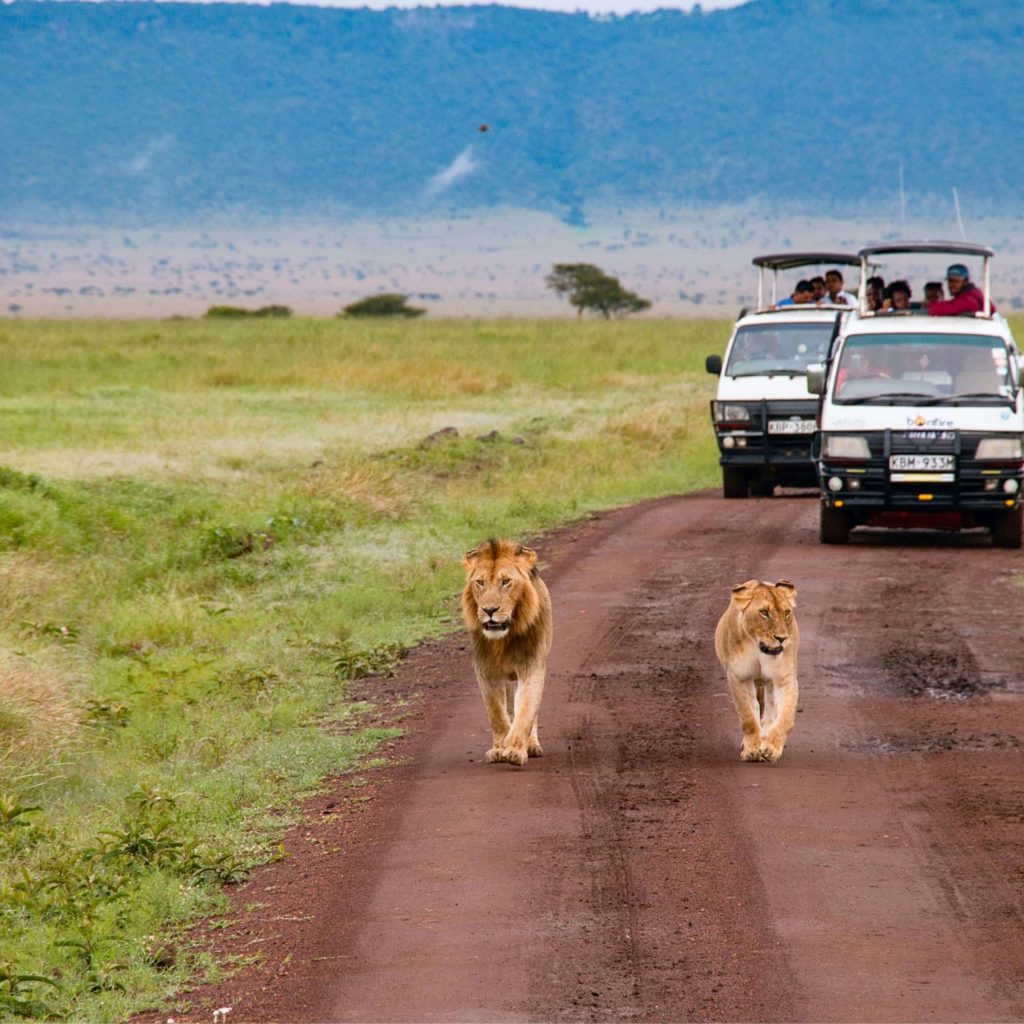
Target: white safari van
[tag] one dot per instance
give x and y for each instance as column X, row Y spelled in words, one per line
column 762, row 415
column 921, row 417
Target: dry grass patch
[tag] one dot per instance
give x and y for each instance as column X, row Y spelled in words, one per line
column 371, row 485
column 39, row 714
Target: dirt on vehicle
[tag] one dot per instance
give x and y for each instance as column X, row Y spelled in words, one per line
column 639, row 871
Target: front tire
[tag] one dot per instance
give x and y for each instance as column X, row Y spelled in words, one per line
column 834, row 526
column 1006, row 530
column 735, row 483
column 762, row 489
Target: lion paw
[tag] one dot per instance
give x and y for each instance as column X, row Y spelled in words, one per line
column 535, row 750
column 751, row 753
column 494, row 755
column 515, row 755
column 770, row 754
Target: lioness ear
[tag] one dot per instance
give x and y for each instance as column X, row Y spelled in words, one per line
column 527, row 555
column 790, row 590
column 743, row 592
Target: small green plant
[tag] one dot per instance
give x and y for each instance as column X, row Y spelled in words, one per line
column 67, row 634
column 14, row 814
column 388, row 304
column 107, row 714
column 353, row 663
column 21, row 995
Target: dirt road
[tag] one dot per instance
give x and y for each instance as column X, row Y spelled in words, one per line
column 639, row 871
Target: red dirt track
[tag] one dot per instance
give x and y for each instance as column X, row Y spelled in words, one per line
column 639, row 871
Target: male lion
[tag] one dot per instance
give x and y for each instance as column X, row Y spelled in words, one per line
column 756, row 641
column 507, row 609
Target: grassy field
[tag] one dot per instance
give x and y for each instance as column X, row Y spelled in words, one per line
column 206, row 530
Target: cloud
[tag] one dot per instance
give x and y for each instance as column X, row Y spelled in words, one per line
column 144, row 160
column 461, row 167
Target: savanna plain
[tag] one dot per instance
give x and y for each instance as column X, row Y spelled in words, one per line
column 208, row 529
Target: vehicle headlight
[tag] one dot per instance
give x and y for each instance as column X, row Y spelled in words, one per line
column 726, row 413
column 845, row 446
column 1000, row 448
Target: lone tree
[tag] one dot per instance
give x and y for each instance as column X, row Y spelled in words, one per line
column 589, row 287
column 389, row 304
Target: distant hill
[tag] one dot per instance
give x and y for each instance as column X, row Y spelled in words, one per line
column 168, row 111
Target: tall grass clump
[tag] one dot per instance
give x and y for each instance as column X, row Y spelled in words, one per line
column 208, row 528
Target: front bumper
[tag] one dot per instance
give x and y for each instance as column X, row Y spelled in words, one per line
column 757, row 446
column 979, row 491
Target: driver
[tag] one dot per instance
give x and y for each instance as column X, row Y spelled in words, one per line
column 857, row 366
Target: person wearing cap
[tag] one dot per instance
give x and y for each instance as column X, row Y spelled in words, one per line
column 803, row 294
column 967, row 297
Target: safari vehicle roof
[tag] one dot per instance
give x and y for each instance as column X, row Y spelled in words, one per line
column 951, row 248
column 792, row 260
column 774, row 262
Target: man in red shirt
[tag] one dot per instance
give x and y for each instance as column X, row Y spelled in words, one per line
column 967, row 297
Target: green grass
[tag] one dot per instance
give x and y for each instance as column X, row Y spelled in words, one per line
column 206, row 529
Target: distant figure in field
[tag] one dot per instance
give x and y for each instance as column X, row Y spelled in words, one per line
column 818, row 287
column 835, row 296
column 933, row 292
column 875, row 291
column 967, row 297
column 803, row 294
column 897, row 296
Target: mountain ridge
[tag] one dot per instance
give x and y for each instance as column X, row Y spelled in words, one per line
column 144, row 111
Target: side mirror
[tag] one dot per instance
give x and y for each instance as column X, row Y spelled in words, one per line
column 713, row 364
column 816, row 379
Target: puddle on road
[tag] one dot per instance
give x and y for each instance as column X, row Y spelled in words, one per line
column 926, row 670
column 934, row 743
column 941, row 670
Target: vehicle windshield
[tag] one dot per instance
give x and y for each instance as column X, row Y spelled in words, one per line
column 923, row 369
column 774, row 349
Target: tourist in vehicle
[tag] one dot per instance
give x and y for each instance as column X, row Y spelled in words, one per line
column 835, row 296
column 875, row 291
column 803, row 294
column 818, row 285
column 966, row 296
column 933, row 292
column 897, row 296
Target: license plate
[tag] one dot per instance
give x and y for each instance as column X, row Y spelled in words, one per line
column 921, row 463
column 791, row 426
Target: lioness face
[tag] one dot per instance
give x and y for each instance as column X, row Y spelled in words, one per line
column 767, row 613
column 498, row 590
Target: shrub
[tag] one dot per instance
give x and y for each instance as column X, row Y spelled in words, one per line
column 388, row 304
column 238, row 313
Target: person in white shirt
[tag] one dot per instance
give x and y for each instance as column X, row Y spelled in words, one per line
column 835, row 296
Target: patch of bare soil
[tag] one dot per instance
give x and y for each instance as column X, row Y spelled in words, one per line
column 639, row 871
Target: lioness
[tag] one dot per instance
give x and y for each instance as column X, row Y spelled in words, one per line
column 756, row 641
column 507, row 609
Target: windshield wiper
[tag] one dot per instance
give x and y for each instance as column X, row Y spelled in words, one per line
column 778, row 372
column 919, row 399
column 974, row 396
column 888, row 396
